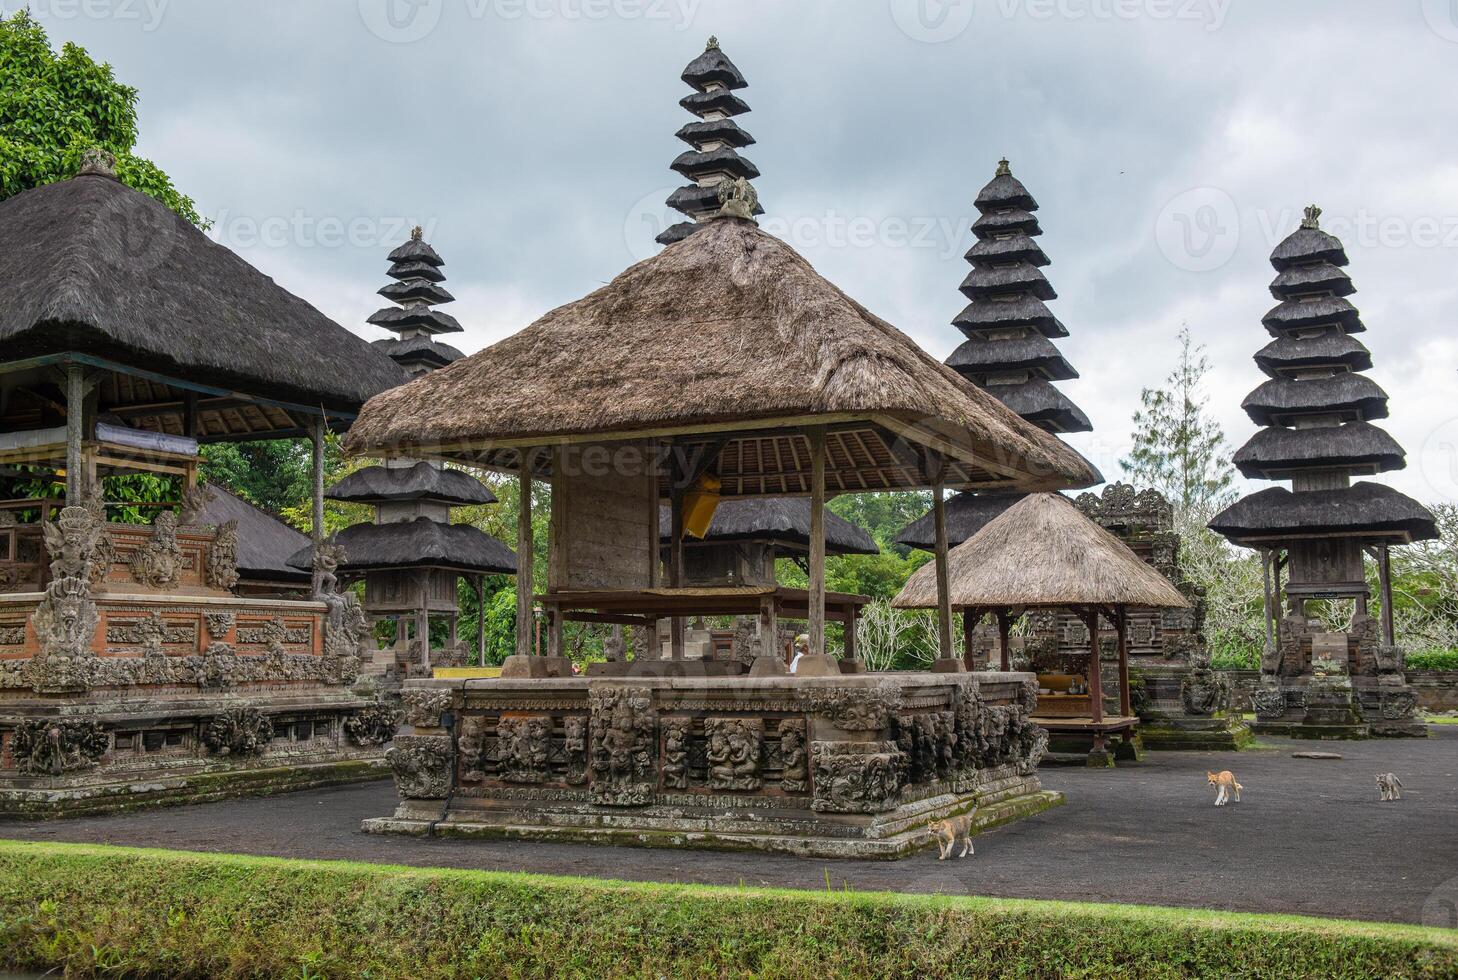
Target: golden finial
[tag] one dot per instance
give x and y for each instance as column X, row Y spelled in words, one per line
column 1003, row 170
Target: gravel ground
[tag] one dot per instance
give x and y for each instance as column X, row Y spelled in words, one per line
column 1309, row 837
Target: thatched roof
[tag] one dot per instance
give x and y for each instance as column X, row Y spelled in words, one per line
column 265, row 543
column 729, row 328
column 421, row 543
column 1371, row 510
column 423, row 481
column 1356, row 446
column 783, row 521
column 1351, row 395
column 91, row 265
column 967, row 513
column 1041, row 552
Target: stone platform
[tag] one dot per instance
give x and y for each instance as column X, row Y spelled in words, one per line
column 849, row 766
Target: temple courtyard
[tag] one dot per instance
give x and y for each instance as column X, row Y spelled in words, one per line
column 1309, row 837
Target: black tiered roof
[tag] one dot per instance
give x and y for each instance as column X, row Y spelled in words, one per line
column 1316, row 411
column 715, row 139
column 416, row 269
column 421, row 481
column 421, row 543
column 1009, row 328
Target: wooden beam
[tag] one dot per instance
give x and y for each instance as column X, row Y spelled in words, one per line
column 769, row 628
column 817, row 541
column 1121, row 623
column 944, row 585
column 75, row 432
column 1095, row 667
column 1004, row 632
column 524, row 554
column 316, row 439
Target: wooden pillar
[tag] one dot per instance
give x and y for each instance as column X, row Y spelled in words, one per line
column 769, row 628
column 969, row 626
column 675, row 567
column 1384, row 578
column 1121, row 623
column 944, row 586
column 422, row 621
column 1095, row 668
column 850, row 632
column 316, row 438
column 817, row 541
column 524, row 551
column 75, row 433
column 1004, row 631
column 1267, row 598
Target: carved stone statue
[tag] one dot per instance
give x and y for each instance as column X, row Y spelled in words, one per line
column 624, row 732
column 734, row 749
column 574, row 747
column 737, row 199
column 50, row 747
column 240, row 731
column 795, row 774
column 158, row 563
column 855, row 777
column 195, row 500
column 374, row 724
column 525, row 745
column 675, row 753
column 222, row 558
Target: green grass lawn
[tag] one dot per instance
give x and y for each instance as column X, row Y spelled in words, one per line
column 100, row 911
column 1441, row 719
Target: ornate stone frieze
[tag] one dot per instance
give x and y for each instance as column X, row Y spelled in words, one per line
column 65, row 624
column 158, row 563
column 1268, row 702
column 854, row 709
column 221, row 569
column 374, row 724
column 421, row 764
column 274, row 633
column 219, row 624
column 217, row 668
column 50, row 747
column 525, row 745
column 855, row 777
column 423, row 706
column 240, row 731
column 574, row 748
column 735, row 751
column 1399, row 704
column 12, row 634
column 794, row 757
column 624, row 745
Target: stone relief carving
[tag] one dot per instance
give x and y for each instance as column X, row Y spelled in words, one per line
column 473, row 750
column 794, row 758
column 422, row 766
column 65, row 621
column 525, row 746
column 624, row 746
column 218, row 624
column 854, row 709
column 217, row 667
column 240, row 731
column 158, row 563
column 221, row 571
column 1399, row 704
column 1269, row 702
column 50, row 747
column 855, row 777
column 374, row 724
column 423, row 706
column 675, row 753
column 735, row 748
column 574, row 747
column 12, row 635
column 1034, row 746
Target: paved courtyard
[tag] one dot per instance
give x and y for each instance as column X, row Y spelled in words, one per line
column 1310, row 837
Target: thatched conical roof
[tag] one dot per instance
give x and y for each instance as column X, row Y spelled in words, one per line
column 1041, row 552
column 730, row 328
column 783, row 521
column 92, row 265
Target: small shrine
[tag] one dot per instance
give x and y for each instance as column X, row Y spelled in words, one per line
column 411, row 556
column 1040, row 556
column 1009, row 351
column 640, row 393
column 135, row 665
column 1316, row 413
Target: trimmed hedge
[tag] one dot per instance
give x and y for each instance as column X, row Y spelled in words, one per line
column 1433, row 660
column 125, row 912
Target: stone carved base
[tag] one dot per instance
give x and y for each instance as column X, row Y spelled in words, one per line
column 1187, row 708
column 841, row 765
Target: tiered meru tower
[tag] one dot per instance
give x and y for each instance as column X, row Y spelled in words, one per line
column 716, row 140
column 1009, row 350
column 411, row 555
column 1316, row 414
column 417, row 289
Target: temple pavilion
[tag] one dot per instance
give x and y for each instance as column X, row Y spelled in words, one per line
column 1316, row 415
column 1043, row 554
column 131, row 340
column 1009, row 351
column 724, row 362
column 411, row 556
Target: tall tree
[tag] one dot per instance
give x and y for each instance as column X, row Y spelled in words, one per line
column 54, row 107
column 1178, row 449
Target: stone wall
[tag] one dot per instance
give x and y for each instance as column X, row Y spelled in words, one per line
column 1436, row 690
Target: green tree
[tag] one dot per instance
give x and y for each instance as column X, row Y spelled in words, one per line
column 54, row 107
column 1178, row 449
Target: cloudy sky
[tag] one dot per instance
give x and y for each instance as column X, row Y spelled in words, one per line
column 1171, row 144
